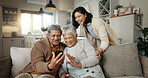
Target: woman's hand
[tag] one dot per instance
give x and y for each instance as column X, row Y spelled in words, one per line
column 63, row 75
column 98, row 52
column 56, row 60
column 72, row 61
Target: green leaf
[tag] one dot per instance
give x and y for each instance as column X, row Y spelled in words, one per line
column 145, row 31
column 43, row 29
column 118, row 6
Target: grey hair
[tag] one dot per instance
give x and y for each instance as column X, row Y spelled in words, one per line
column 54, row 27
column 69, row 29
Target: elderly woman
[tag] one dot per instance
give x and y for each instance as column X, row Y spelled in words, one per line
column 80, row 59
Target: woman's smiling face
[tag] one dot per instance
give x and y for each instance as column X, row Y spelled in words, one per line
column 70, row 39
column 80, row 18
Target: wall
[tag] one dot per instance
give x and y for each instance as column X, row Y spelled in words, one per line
column 90, row 5
column 61, row 15
column 23, row 5
column 0, row 31
column 65, row 4
column 142, row 4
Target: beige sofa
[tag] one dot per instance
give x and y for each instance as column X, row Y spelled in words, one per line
column 120, row 61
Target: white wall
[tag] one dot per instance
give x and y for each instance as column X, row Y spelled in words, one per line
column 142, row 4
column 94, row 9
column 90, row 5
column 62, row 12
column 65, row 4
column 78, row 2
column 62, row 18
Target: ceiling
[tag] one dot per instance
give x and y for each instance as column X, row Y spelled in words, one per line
column 43, row 2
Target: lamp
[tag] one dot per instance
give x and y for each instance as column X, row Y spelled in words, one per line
column 50, row 6
column 41, row 9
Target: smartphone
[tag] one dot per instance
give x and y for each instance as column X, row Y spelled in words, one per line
column 58, row 52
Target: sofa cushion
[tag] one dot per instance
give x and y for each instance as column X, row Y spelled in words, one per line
column 20, row 58
column 129, row 77
column 144, row 63
column 5, row 67
column 121, row 60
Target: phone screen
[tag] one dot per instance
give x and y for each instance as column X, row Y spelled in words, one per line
column 58, row 52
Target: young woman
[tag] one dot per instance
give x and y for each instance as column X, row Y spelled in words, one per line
column 94, row 28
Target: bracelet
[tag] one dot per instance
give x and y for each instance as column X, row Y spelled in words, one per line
column 49, row 68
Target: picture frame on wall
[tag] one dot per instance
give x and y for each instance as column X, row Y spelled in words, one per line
column 125, row 11
column 139, row 19
column 136, row 10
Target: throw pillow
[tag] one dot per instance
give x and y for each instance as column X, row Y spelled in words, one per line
column 144, row 63
column 121, row 60
column 20, row 58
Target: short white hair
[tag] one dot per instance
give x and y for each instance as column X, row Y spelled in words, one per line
column 69, row 29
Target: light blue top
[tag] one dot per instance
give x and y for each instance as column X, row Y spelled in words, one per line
column 90, row 29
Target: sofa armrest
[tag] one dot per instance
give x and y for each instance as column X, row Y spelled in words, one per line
column 5, row 67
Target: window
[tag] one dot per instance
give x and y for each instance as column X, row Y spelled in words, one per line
column 33, row 22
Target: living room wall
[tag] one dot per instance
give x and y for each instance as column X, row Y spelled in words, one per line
column 23, row 5
column 142, row 4
column 90, row 6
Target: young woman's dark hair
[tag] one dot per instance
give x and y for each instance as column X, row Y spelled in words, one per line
column 82, row 11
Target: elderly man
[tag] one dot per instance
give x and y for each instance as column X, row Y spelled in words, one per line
column 44, row 63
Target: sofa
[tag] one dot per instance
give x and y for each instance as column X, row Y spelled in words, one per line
column 121, row 61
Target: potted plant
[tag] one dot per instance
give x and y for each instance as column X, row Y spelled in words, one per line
column 44, row 31
column 118, row 6
column 143, row 41
column 116, row 9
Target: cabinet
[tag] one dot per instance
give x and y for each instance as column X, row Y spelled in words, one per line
column 12, row 42
column 124, row 27
column 106, row 8
column 10, row 16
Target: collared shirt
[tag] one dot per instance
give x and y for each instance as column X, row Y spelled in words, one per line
column 54, row 48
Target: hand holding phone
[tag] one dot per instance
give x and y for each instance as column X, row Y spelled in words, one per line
column 56, row 60
column 58, row 52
